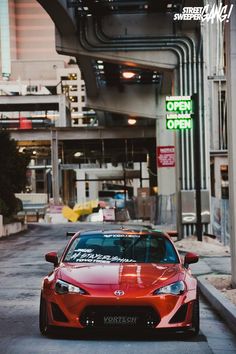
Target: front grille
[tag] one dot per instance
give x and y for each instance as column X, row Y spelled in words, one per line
column 57, row 313
column 119, row 316
column 180, row 315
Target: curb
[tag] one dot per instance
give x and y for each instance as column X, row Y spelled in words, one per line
column 219, row 302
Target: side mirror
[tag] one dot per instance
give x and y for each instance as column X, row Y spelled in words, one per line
column 70, row 233
column 52, row 258
column 190, row 258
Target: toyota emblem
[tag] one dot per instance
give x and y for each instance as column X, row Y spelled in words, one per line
column 119, row 292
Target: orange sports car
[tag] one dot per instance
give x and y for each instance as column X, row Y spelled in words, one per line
column 121, row 278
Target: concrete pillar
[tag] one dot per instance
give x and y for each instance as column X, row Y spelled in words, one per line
column 136, row 182
column 145, row 174
column 65, row 183
column 1, row 225
column 80, row 186
column 166, row 175
column 33, row 178
column 62, row 119
column 55, row 167
column 231, row 107
column 5, row 40
column 93, row 187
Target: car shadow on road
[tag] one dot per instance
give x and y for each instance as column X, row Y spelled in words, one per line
column 126, row 335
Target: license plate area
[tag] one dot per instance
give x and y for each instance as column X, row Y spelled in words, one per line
column 120, row 320
column 119, row 316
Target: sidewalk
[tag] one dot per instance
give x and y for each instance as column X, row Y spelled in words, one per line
column 215, row 261
column 214, row 258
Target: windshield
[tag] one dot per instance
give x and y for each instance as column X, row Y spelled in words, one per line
column 120, row 248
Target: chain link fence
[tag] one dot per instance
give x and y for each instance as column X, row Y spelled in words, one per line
column 166, row 210
column 159, row 209
column 220, row 219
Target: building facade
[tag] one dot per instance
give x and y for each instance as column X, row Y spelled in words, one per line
column 31, row 65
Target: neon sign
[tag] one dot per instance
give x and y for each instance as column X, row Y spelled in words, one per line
column 179, row 110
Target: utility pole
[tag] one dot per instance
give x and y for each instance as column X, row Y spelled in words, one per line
column 197, row 166
column 231, row 110
column 55, row 168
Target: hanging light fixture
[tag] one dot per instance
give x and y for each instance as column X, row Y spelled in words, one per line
column 128, row 74
column 132, row 121
column 78, row 154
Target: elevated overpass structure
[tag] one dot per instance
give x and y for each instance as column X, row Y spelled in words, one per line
column 69, row 155
column 110, row 37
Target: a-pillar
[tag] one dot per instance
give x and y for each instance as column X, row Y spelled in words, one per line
column 231, row 105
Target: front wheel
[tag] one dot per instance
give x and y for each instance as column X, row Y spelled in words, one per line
column 195, row 317
column 43, row 318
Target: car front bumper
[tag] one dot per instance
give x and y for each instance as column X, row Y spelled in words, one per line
column 86, row 311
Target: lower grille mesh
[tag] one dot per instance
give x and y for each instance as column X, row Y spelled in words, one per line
column 180, row 314
column 57, row 313
column 119, row 316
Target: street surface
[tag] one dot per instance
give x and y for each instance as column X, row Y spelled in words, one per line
column 22, row 267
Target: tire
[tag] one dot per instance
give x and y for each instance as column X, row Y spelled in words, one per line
column 195, row 317
column 43, row 318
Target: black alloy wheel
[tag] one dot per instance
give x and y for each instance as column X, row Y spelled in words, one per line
column 196, row 317
column 43, row 318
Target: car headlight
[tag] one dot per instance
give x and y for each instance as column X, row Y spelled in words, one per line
column 176, row 288
column 62, row 287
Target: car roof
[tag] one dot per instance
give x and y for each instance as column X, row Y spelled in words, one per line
column 124, row 231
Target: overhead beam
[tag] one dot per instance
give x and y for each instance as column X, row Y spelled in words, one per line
column 32, row 103
column 132, row 100
column 85, row 134
column 86, row 66
column 63, row 16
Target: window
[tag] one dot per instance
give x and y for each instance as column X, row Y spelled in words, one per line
column 32, row 88
column 121, row 248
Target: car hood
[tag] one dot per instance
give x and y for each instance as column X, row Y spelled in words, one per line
column 125, row 275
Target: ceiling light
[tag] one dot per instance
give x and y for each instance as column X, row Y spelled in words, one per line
column 128, row 74
column 132, row 121
column 78, row 154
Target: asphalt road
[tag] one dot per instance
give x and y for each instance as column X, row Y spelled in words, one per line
column 22, row 268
